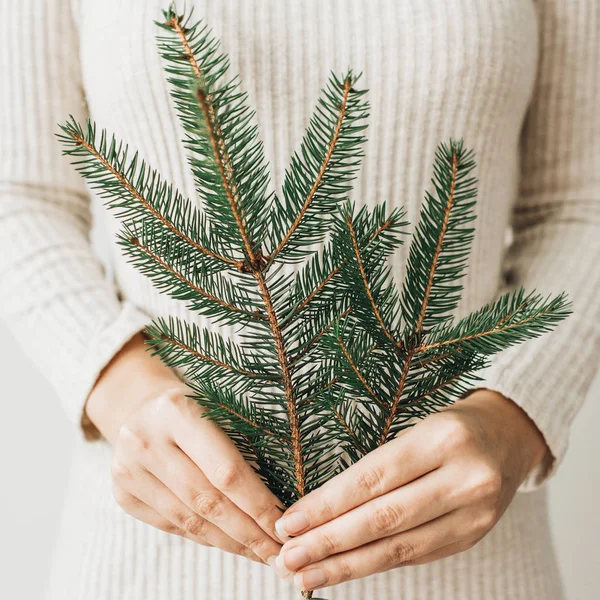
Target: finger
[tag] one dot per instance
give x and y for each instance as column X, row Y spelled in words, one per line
column 443, row 552
column 145, row 513
column 382, row 555
column 142, row 512
column 214, row 453
column 395, row 464
column 177, row 471
column 404, row 508
column 143, row 486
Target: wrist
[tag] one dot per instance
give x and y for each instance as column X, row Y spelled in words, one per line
column 514, row 428
column 129, row 380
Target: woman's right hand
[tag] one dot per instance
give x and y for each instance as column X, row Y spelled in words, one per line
column 172, row 468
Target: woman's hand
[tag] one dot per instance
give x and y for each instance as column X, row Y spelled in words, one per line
column 174, row 469
column 434, row 491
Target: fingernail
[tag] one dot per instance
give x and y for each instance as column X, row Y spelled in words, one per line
column 292, row 524
column 309, row 580
column 271, row 561
column 296, row 558
column 280, row 568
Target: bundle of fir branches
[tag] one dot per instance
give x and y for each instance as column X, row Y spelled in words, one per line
column 333, row 360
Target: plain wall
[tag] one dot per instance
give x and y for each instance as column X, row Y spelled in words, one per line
column 35, row 441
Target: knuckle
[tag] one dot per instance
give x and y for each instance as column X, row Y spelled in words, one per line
column 120, row 471
column 345, row 571
column 371, row 480
column 253, row 557
column 267, row 515
column 387, row 518
column 171, row 528
column 227, row 475
column 167, row 400
column 455, row 432
column 194, row 525
column 486, row 483
column 325, row 510
column 254, row 545
column 327, row 542
column 400, row 552
column 134, row 438
column 207, row 505
column 484, row 522
column 246, row 552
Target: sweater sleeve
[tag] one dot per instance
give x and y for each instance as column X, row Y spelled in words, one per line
column 556, row 227
column 54, row 294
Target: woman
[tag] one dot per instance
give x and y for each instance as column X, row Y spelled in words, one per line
column 456, row 507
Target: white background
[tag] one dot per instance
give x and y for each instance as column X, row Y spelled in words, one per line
column 35, row 443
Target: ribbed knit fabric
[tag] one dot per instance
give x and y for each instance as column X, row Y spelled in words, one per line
column 517, row 79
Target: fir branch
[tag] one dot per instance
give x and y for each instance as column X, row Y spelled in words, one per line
column 292, row 409
column 339, row 377
column 440, row 247
column 318, row 289
column 321, row 173
column 106, row 160
column 306, row 348
column 438, row 358
column 513, row 318
column 440, row 241
column 227, row 158
column 173, row 272
column 366, row 241
column 324, row 275
column 347, row 86
column 391, row 413
column 365, row 282
column 226, row 170
column 224, row 406
column 256, row 264
column 354, row 367
column 356, row 442
column 435, row 258
column 204, row 353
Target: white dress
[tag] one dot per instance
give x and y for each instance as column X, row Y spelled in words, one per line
column 517, row 79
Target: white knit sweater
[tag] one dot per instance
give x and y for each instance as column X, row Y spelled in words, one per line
column 517, row 79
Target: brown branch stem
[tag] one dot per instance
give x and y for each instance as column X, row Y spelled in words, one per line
column 216, row 137
column 321, row 333
column 136, row 242
column 440, row 243
column 127, row 185
column 365, row 280
column 411, row 351
column 482, row 334
column 292, row 409
column 214, row 361
column 358, row 373
column 349, row 431
column 248, row 421
column 318, row 180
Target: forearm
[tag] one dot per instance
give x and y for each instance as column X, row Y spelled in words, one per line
column 132, row 377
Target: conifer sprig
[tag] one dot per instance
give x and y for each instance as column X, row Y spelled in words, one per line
column 332, row 361
column 225, row 260
column 422, row 359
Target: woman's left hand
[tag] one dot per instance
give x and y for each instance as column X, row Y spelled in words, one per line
column 434, row 491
